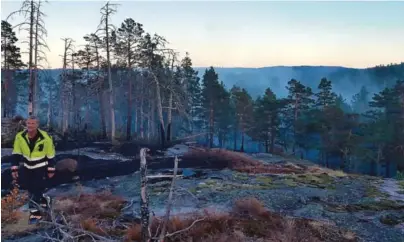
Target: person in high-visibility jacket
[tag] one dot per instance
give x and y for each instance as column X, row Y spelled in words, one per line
column 35, row 149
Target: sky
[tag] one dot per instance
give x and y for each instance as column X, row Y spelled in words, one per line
column 242, row 34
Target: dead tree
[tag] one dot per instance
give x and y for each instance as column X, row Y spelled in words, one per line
column 95, row 43
column 66, row 86
column 144, row 201
column 39, row 55
column 108, row 30
column 169, row 202
column 28, row 11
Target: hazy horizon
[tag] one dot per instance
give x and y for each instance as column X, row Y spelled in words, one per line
column 243, row 34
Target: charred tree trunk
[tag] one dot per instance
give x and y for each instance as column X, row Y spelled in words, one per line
column 102, row 114
column 242, row 142
column 272, row 139
column 169, row 116
column 153, row 120
column 129, row 121
column 136, row 119
column 211, row 126
column 49, row 123
column 235, row 139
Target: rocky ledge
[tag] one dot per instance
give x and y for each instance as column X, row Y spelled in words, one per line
column 278, row 198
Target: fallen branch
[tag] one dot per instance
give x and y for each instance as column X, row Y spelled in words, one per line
column 169, row 202
column 186, row 229
column 161, row 176
column 144, row 202
column 82, row 231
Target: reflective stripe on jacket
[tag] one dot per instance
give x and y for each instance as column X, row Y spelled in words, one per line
column 34, row 155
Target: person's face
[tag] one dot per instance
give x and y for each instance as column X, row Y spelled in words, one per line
column 32, row 125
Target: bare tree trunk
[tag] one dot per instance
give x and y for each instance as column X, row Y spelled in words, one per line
column 102, row 114
column 211, row 127
column 170, row 103
column 136, row 118
column 49, row 123
column 144, row 202
column 129, row 120
column 111, row 97
column 169, row 116
column 235, row 139
column 35, row 78
column 153, row 130
column 31, row 47
column 169, row 202
column 159, row 109
column 65, row 90
column 5, row 84
column 141, row 124
column 295, row 123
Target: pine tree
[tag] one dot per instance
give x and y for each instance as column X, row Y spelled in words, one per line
column 326, row 115
column 106, row 27
column 223, row 114
column 128, row 38
column 243, row 110
column 96, row 83
column 191, row 83
column 389, row 117
column 11, row 63
column 267, row 114
column 210, row 99
column 325, row 96
column 299, row 101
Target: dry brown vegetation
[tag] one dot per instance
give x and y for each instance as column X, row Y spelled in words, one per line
column 102, row 205
column 240, row 162
column 249, row 220
column 9, row 205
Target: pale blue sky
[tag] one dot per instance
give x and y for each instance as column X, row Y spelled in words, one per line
column 245, row 34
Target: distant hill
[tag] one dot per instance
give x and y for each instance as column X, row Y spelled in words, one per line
column 346, row 81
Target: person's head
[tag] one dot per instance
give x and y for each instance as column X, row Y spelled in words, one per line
column 32, row 123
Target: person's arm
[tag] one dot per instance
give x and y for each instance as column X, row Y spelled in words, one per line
column 16, row 154
column 50, row 155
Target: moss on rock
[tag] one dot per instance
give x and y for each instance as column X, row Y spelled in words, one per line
column 392, row 219
column 381, row 205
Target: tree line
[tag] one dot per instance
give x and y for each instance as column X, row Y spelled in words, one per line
column 126, row 83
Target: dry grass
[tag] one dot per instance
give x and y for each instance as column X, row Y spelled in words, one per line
column 102, row 205
column 240, row 162
column 9, row 206
column 248, row 220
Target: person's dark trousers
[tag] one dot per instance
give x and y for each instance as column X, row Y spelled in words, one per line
column 35, row 182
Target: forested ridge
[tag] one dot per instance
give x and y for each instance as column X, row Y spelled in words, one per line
column 126, row 84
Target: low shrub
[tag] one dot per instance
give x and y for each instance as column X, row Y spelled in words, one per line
column 10, row 205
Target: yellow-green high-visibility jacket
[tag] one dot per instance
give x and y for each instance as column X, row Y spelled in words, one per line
column 36, row 155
